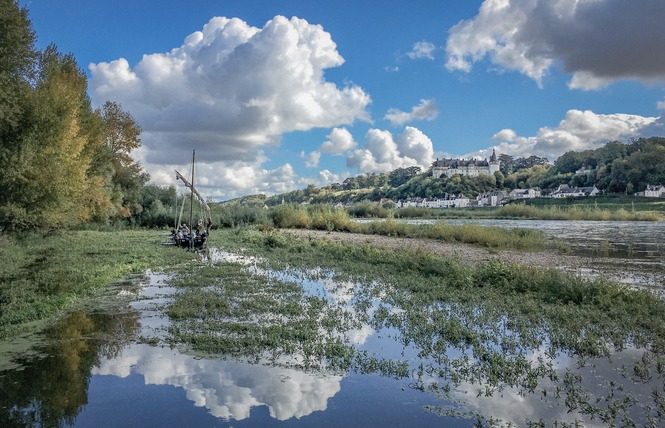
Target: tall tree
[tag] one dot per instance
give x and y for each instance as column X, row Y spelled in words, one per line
column 57, row 171
column 122, row 136
column 17, row 65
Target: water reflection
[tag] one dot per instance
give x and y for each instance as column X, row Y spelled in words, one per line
column 52, row 388
column 229, row 390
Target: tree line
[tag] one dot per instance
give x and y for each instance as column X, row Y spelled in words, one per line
column 63, row 162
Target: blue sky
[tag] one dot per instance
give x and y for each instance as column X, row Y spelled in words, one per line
column 275, row 95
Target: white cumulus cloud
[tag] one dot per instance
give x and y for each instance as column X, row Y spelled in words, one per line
column 229, row 91
column 579, row 130
column 426, row 110
column 339, row 141
column 597, row 41
column 384, row 153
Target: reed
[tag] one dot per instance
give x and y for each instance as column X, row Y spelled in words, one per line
column 575, row 212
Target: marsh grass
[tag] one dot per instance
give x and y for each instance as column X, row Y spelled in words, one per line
column 576, row 212
column 41, row 275
column 327, row 218
column 562, row 298
column 474, row 326
column 227, row 310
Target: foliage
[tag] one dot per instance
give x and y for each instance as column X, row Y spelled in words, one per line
column 63, row 163
column 238, row 215
column 18, row 59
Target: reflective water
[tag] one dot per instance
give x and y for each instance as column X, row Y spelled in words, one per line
column 102, row 369
column 635, row 239
column 108, row 367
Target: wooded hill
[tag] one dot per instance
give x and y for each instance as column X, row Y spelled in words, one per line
column 615, row 168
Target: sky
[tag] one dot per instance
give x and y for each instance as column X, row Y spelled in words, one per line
column 275, row 95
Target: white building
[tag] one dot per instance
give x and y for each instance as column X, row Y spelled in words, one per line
column 469, row 168
column 519, row 194
column 411, row 202
column 563, row 191
column 492, row 199
column 446, row 201
column 655, row 191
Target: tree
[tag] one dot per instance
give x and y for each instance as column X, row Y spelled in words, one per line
column 18, row 59
column 57, row 173
column 507, row 164
column 401, row 175
column 500, row 179
column 122, row 133
column 569, row 162
column 121, row 137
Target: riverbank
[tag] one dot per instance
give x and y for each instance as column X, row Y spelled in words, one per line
column 621, row 270
column 44, row 274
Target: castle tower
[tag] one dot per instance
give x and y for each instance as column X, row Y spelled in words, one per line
column 494, row 163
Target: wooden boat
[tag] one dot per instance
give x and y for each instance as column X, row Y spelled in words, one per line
column 189, row 235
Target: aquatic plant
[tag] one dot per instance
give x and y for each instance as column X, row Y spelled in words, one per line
column 492, row 328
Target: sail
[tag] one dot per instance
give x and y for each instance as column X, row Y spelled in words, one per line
column 194, row 191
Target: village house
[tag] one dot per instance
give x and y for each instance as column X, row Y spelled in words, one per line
column 564, row 191
column 411, row 203
column 492, row 199
column 520, row 194
column 446, row 201
column 655, row 191
column 469, row 168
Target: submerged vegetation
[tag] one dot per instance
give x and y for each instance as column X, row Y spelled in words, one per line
column 488, row 330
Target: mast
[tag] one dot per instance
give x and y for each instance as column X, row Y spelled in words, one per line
column 191, row 198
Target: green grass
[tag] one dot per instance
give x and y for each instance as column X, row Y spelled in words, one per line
column 42, row 275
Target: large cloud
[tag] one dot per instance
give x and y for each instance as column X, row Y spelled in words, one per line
column 598, row 41
column 229, row 91
column 383, row 153
column 579, row 130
